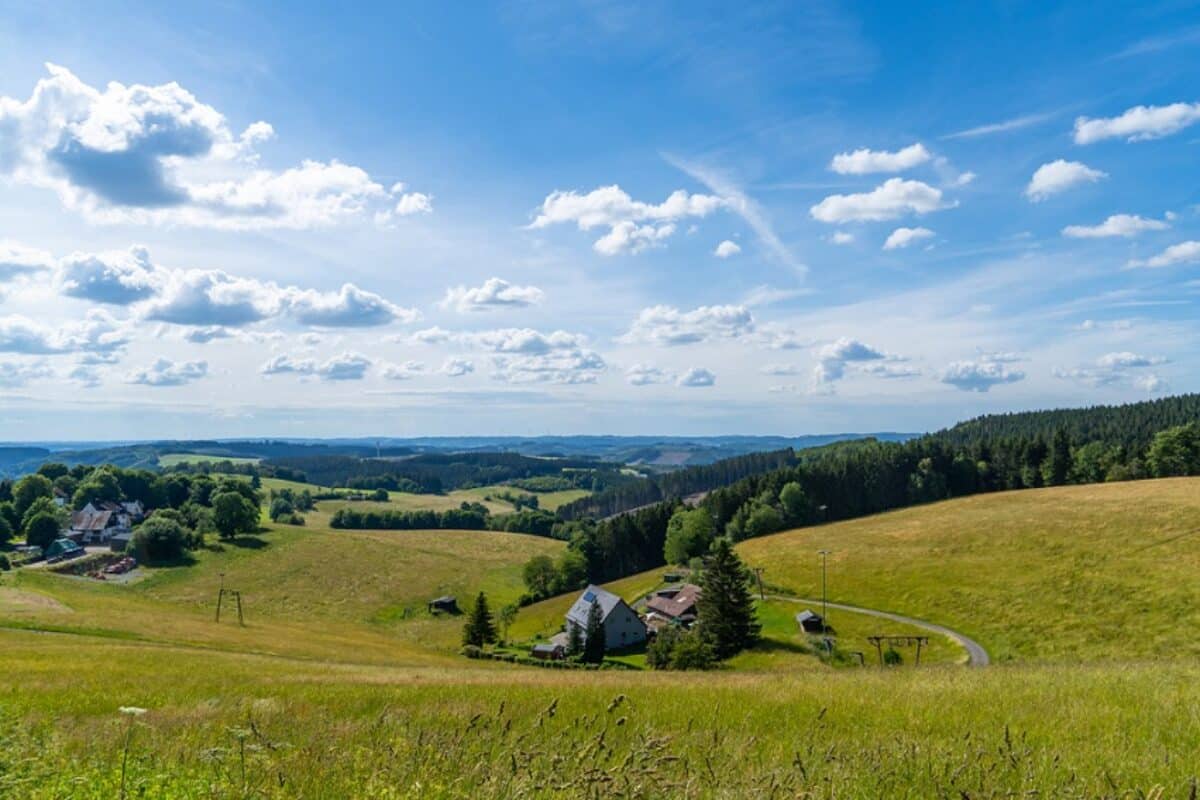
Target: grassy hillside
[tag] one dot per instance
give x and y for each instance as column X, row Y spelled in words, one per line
column 1071, row 573
column 312, row 592
column 228, row 725
column 174, row 459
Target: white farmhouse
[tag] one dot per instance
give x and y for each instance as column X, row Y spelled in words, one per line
column 622, row 626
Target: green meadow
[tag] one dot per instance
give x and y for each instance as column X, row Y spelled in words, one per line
column 342, row 684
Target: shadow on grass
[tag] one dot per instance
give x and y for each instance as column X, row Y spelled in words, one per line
column 782, row 646
column 185, row 560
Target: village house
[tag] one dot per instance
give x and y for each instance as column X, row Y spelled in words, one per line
column 96, row 523
column 673, row 606
column 622, row 626
column 810, row 621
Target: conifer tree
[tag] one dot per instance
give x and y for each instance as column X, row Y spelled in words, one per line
column 725, row 609
column 594, row 639
column 480, row 629
column 574, row 640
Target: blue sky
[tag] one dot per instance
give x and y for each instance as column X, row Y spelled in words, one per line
column 235, row 220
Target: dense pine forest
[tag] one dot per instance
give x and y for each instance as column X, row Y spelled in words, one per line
column 853, row 479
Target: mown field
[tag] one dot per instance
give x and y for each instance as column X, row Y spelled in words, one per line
column 175, row 459
column 342, row 685
column 1074, row 573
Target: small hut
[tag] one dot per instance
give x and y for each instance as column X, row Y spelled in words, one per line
column 810, row 621
column 446, row 604
column 549, row 652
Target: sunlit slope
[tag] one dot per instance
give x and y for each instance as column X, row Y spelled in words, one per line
column 307, row 592
column 1110, row 571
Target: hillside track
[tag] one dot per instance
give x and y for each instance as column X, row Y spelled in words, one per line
column 977, row 656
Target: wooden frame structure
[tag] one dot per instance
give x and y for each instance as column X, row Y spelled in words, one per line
column 898, row 641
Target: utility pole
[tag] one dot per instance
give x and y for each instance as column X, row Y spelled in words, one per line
column 824, row 594
column 758, row 571
column 220, row 596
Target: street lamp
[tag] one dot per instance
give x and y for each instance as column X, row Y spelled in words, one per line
column 824, row 594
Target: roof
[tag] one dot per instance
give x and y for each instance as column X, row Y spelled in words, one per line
column 90, row 521
column 678, row 605
column 547, row 648
column 583, row 606
column 443, row 600
column 806, row 615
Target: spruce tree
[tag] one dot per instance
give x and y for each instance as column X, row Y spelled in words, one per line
column 594, row 639
column 574, row 640
column 725, row 609
column 480, row 629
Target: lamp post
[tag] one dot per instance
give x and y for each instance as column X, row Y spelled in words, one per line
column 824, row 593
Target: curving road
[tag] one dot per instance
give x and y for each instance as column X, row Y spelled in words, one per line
column 976, row 655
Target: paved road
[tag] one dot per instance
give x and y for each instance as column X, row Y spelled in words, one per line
column 976, row 655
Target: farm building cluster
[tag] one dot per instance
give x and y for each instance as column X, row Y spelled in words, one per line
column 624, row 627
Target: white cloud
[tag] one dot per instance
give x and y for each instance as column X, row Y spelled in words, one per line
column 434, row 335
column 864, row 161
column 889, row 370
column 780, row 369
column 97, row 333
column 344, row 367
column 646, row 374
column 726, row 249
column 112, row 278
column 457, row 367
column 494, row 293
column 14, row 374
column 1014, row 124
column 841, row 237
column 1138, row 124
column 402, row 372
column 613, row 208
column 1112, row 368
column 893, row 198
column 667, row 325
column 571, row 366
column 1182, row 253
column 629, row 237
column 696, row 377
column 156, row 154
column 1058, row 176
column 832, row 359
column 1152, row 384
column 349, row 307
column 1126, row 225
column 414, row 203
column 165, row 372
column 903, row 237
column 980, row 375
column 17, row 259
column 206, row 335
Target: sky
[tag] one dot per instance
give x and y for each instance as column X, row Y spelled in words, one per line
column 524, row 218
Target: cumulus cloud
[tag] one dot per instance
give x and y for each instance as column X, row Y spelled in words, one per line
column 980, row 375
column 1182, row 253
column 572, row 366
column 349, row 307
column 646, row 375
column 1058, row 176
column 165, row 372
column 667, row 325
column 632, row 225
column 893, row 198
column 402, row 372
column 841, row 237
column 495, row 293
column 17, row 259
column 111, row 278
column 14, row 374
column 343, row 367
column 1151, row 384
column 1126, row 225
column 407, row 204
column 864, row 161
column 97, row 333
column 1138, row 124
column 726, row 249
column 148, row 154
column 696, row 377
column 833, row 358
column 1112, row 369
column 903, row 237
column 206, row 335
column 457, row 367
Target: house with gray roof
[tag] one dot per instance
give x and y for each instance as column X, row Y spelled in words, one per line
column 622, row 625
